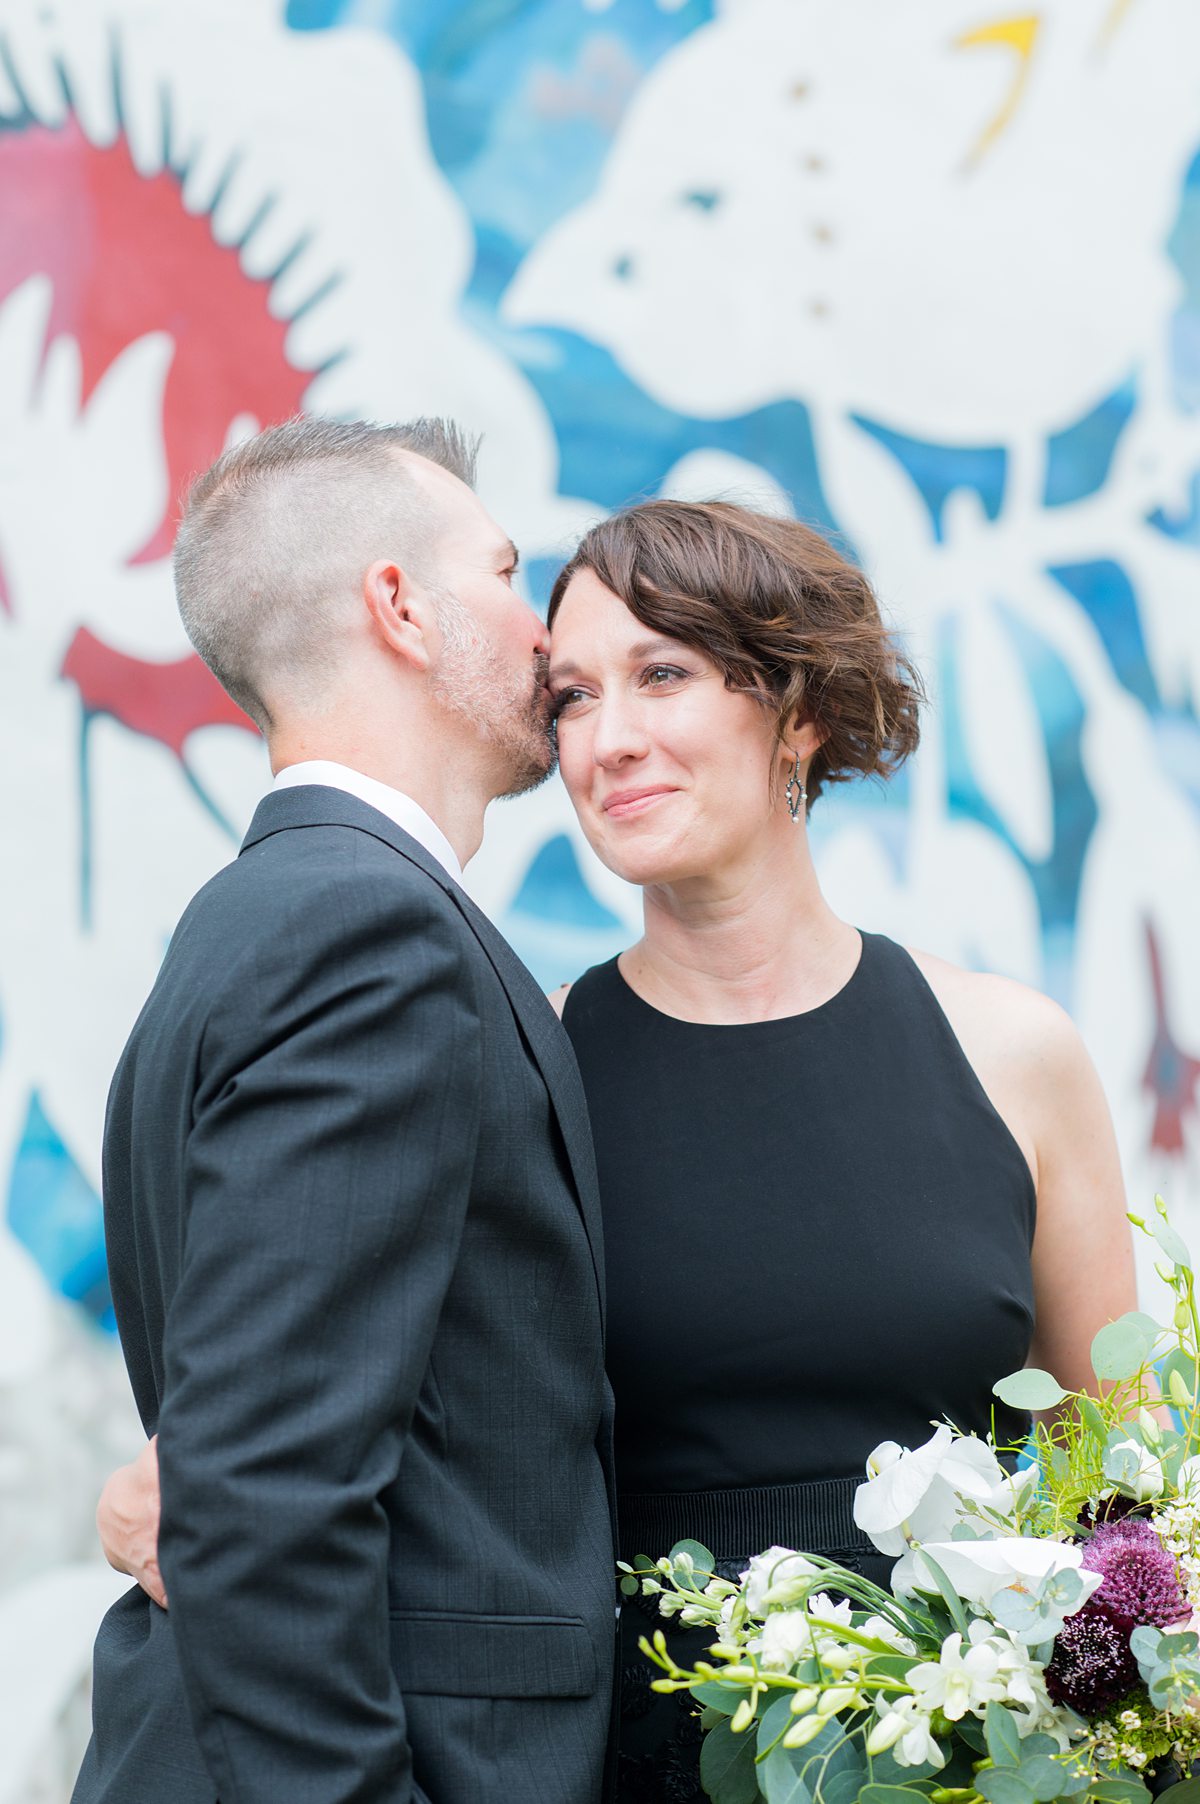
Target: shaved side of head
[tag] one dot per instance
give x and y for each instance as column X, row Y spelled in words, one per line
column 276, row 537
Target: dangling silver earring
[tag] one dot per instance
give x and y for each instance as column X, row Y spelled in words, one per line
column 796, row 793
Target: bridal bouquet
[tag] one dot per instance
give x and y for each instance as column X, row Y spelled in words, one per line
column 1038, row 1640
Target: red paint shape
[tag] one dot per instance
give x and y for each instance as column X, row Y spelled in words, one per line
column 1172, row 1076
column 163, row 701
column 125, row 258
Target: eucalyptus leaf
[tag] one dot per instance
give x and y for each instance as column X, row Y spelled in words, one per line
column 1186, row 1792
column 727, row 1770
column 700, row 1557
column 780, row 1779
column 1171, row 1243
column 715, row 1696
column 1003, row 1785
column 1119, row 1791
column 1003, row 1736
column 886, row 1769
column 889, row 1794
column 1037, row 1744
column 1043, row 1776
column 775, row 1719
column 843, row 1776
column 1030, row 1388
column 1143, row 1643
column 1120, row 1349
column 630, row 1586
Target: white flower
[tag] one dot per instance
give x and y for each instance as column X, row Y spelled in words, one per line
column 913, row 1494
column 1143, row 1477
column 880, row 1629
column 904, row 1728
column 957, row 1682
column 787, row 1636
column 978, row 1569
column 774, row 1578
column 1187, row 1480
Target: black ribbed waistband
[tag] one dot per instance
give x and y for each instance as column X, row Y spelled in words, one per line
column 816, row 1517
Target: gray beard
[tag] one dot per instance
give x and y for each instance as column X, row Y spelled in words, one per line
column 506, row 710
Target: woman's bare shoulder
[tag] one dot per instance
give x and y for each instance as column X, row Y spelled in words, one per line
column 557, row 998
column 1010, row 1019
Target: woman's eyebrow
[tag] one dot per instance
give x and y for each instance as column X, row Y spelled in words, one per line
column 645, row 648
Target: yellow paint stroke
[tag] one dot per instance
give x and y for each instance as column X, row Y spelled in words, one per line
column 1114, row 19
column 1019, row 35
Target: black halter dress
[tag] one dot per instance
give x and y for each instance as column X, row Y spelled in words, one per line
column 817, row 1237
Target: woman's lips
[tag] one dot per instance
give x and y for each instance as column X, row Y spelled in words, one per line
column 627, row 802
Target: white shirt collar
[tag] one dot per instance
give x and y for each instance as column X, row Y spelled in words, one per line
column 398, row 807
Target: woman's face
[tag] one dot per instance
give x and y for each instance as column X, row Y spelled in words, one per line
column 668, row 770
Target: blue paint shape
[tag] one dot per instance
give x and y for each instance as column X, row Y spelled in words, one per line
column 1104, row 590
column 1060, row 708
column 554, row 889
column 57, row 1216
column 558, row 954
column 555, row 924
column 1184, row 528
column 937, row 470
column 1079, row 459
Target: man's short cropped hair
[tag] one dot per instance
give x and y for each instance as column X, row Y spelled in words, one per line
column 276, row 536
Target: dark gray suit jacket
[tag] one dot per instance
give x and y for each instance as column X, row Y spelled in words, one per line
column 354, row 1240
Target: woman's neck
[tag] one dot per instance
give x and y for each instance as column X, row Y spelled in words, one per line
column 752, row 945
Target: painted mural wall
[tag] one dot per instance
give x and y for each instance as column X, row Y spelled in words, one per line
column 926, row 272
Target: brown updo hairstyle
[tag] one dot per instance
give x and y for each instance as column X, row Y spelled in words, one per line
column 779, row 611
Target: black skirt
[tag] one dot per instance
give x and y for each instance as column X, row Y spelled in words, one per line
column 659, row 1743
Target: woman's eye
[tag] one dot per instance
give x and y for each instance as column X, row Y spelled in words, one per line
column 564, row 698
column 659, row 674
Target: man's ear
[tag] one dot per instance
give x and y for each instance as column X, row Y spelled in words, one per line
column 402, row 615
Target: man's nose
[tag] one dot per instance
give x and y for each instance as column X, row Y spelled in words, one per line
column 541, row 635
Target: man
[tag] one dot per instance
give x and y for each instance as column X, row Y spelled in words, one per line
column 349, row 1195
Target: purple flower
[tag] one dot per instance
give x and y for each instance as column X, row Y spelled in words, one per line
column 1141, row 1579
column 1091, row 1666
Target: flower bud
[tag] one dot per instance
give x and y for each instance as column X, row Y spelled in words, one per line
column 1182, row 1315
column 803, row 1731
column 743, row 1716
column 838, row 1697
column 886, row 1733
column 1178, row 1391
column 839, row 1659
column 804, row 1699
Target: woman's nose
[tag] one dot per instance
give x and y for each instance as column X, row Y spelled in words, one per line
column 619, row 733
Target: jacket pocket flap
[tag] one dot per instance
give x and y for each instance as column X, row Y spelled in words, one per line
column 453, row 1653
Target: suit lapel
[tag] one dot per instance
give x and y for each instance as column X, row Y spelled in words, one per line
column 316, row 805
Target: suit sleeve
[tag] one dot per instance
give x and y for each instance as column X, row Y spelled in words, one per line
column 328, row 1172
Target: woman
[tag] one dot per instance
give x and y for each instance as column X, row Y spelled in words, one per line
column 845, row 1187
